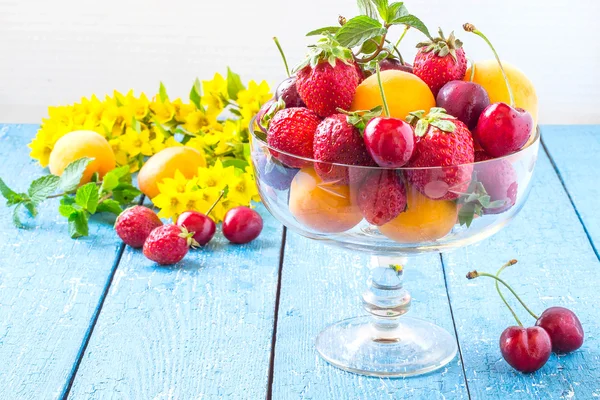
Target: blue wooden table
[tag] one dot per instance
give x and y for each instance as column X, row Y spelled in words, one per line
column 92, row 319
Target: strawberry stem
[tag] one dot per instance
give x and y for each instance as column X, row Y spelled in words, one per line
column 216, row 202
column 471, row 28
column 385, row 104
column 287, row 68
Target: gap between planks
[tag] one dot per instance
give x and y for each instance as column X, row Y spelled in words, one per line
column 275, row 316
column 90, row 331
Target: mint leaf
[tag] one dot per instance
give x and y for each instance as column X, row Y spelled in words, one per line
column 382, row 9
column 162, row 93
column 367, row 8
column 8, row 193
column 15, row 217
column 196, row 94
column 67, row 200
column 66, row 210
column 41, row 188
column 328, row 29
column 125, row 193
column 71, row 176
column 413, row 22
column 78, row 224
column 358, row 30
column 112, row 179
column 30, row 206
column 397, row 10
column 235, row 162
column 87, row 197
column 109, row 206
column 234, row 84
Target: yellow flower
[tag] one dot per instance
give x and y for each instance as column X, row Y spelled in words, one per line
column 182, row 110
column 221, row 209
column 163, row 112
column 227, row 138
column 171, row 204
column 208, row 197
column 255, row 95
column 120, row 154
column 41, row 147
column 242, row 189
column 196, row 143
column 172, row 142
column 178, row 184
column 195, row 121
column 195, row 201
column 135, row 143
column 137, row 107
column 216, row 176
column 215, row 91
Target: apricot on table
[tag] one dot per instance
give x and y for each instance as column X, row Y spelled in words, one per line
column 488, row 75
column 321, row 206
column 424, row 219
column 164, row 164
column 404, row 93
column 80, row 144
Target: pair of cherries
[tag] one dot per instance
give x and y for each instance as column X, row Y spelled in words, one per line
column 557, row 330
column 240, row 224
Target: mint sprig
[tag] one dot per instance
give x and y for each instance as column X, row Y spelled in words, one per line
column 78, row 203
column 474, row 201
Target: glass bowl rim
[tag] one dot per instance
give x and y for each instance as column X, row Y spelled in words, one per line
column 530, row 143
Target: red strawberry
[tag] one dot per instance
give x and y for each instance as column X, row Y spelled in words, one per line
column 337, row 141
column 326, row 82
column 168, row 244
column 442, row 141
column 292, row 130
column 382, row 197
column 135, row 224
column 440, row 61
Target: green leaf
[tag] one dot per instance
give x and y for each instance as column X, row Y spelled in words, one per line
column 466, row 214
column 78, row 224
column 370, row 46
column 413, row 22
column 234, row 84
column 41, row 188
column 30, row 206
column 162, row 92
column 95, row 177
column 446, row 126
column 109, row 206
column 112, row 179
column 358, row 30
column 87, row 197
column 367, row 8
column 15, row 217
column 8, row 193
column 235, row 162
column 125, row 193
column 196, row 93
column 421, row 128
column 328, row 29
column 71, row 176
column 382, row 8
column 67, row 200
column 66, row 210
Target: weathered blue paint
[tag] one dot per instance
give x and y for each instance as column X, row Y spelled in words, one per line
column 50, row 285
column 198, row 330
column 557, row 266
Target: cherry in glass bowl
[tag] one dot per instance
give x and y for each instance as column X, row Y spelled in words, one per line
column 391, row 214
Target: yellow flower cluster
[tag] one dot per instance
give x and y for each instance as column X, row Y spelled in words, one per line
column 214, row 121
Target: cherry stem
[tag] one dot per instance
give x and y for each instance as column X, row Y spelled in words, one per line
column 406, row 28
column 287, row 68
column 472, row 70
column 397, row 52
column 511, row 262
column 385, row 105
column 471, row 28
column 215, row 203
column 476, row 274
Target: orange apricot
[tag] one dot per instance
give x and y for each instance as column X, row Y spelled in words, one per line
column 320, row 206
column 424, row 219
column 404, row 92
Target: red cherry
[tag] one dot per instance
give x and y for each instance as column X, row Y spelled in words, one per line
column 242, row 225
column 526, row 350
column 564, row 329
column 503, row 129
column 203, row 227
column 395, row 64
column 389, row 141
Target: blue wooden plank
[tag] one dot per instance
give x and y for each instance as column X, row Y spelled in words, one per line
column 574, row 151
column 557, row 266
column 321, row 285
column 198, row 330
column 50, row 285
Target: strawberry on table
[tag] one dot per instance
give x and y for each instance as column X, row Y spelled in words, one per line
column 328, row 78
column 440, row 61
column 442, row 141
column 135, row 224
column 168, row 244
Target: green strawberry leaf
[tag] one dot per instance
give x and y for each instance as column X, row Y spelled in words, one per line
column 71, row 176
column 358, row 30
column 444, row 125
column 41, row 188
column 78, row 224
column 413, row 22
column 196, row 94
column 15, row 217
column 367, row 8
column 162, row 93
column 234, row 84
column 109, row 206
column 332, row 30
column 87, row 197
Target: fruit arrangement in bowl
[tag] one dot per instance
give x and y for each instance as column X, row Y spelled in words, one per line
column 362, row 150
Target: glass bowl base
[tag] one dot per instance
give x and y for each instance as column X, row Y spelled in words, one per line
column 407, row 347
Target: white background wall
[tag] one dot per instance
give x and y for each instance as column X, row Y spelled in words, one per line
column 55, row 51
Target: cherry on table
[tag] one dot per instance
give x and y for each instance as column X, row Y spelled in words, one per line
column 242, row 225
column 525, row 349
column 564, row 328
column 464, row 100
column 202, row 226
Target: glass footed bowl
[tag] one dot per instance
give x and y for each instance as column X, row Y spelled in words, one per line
column 391, row 214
